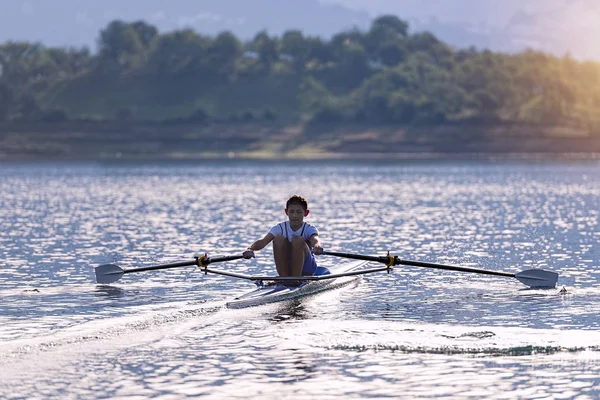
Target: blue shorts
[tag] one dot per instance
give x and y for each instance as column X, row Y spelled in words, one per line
column 310, row 265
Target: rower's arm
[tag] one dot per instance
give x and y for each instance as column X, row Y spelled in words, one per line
column 261, row 243
column 316, row 244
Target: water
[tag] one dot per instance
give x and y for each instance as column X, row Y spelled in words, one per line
column 415, row 333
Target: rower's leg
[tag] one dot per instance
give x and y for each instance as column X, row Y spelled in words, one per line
column 299, row 252
column 281, row 253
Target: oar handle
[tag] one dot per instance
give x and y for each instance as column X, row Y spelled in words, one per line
column 356, row 256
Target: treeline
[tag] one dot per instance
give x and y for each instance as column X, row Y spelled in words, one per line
column 380, row 76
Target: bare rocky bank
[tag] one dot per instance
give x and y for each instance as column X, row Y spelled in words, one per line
column 151, row 141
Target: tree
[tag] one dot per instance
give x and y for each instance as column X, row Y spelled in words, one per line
column 79, row 59
column 146, row 33
column 425, row 42
column 27, row 107
column 486, row 103
column 6, row 98
column 344, row 40
column 389, row 26
column 224, row 52
column 266, row 47
column 380, row 97
column 402, row 107
column 120, row 46
column 17, row 60
column 353, row 65
column 381, row 75
column 179, row 52
column 313, row 95
column 319, row 51
column 328, row 114
column 392, row 53
column 388, row 31
column 297, row 47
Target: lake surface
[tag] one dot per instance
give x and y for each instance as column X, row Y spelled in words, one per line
column 414, row 333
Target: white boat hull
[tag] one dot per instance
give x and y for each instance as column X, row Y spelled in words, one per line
column 277, row 292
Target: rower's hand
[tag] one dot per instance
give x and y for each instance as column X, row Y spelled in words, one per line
column 317, row 250
column 248, row 254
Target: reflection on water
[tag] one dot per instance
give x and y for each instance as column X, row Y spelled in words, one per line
column 292, row 309
column 110, row 291
column 413, row 333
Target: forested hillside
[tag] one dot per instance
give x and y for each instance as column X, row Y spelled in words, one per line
column 381, row 76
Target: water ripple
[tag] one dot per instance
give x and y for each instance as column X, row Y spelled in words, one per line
column 418, row 333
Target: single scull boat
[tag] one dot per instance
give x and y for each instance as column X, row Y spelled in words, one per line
column 284, row 288
column 279, row 291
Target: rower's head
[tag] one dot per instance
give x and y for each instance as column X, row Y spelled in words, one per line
column 296, row 208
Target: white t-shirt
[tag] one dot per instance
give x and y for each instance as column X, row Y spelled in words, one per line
column 284, row 229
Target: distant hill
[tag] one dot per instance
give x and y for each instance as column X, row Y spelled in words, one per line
column 78, row 22
column 555, row 26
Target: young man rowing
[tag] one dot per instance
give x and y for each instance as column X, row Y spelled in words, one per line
column 294, row 241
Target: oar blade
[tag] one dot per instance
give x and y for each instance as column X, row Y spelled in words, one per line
column 108, row 273
column 538, row 278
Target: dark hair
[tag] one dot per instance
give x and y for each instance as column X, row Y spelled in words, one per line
column 297, row 199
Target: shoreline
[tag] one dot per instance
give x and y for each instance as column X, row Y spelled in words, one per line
column 330, row 158
column 112, row 141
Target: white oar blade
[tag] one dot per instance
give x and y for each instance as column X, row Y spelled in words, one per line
column 108, row 273
column 538, row 278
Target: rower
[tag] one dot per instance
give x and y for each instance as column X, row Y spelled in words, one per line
column 294, row 241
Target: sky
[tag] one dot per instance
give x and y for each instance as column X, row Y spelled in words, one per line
column 559, row 26
column 78, row 22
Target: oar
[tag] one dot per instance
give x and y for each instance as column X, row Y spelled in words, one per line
column 536, row 278
column 109, row 273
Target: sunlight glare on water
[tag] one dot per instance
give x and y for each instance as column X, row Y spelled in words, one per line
column 413, row 333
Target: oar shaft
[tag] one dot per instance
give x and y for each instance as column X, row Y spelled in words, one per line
column 399, row 261
column 109, row 273
column 164, row 266
column 184, row 264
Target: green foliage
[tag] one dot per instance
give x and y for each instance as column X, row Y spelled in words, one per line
column 383, row 75
column 267, row 49
column 120, row 47
column 392, row 53
column 27, row 108
column 297, row 48
column 388, row 27
column 313, row 95
column 328, row 115
column 179, row 53
column 224, row 51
